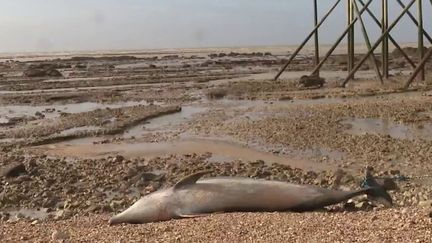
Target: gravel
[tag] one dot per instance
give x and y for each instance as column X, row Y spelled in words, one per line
column 71, row 200
column 390, row 225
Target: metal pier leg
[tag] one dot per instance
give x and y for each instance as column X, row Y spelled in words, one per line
column 385, row 44
column 411, row 16
column 419, row 68
column 347, row 79
column 368, row 43
column 422, row 75
column 307, row 39
column 375, row 19
column 340, row 39
column 351, row 45
column 317, row 58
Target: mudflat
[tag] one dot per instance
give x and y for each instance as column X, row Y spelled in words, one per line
column 83, row 136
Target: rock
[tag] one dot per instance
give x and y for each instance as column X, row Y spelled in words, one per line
column 50, row 202
column 19, row 216
column 13, row 170
column 217, row 93
column 59, row 236
column 93, row 208
column 388, row 184
column 63, row 214
column 425, row 204
column 349, row 206
column 410, row 51
column 4, row 216
column 257, row 163
column 149, row 189
column 363, row 206
column 284, row 98
column 311, row 81
column 39, row 115
column 146, row 176
column 118, row 159
column 33, row 72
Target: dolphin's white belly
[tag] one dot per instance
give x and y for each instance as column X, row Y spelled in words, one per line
column 232, row 194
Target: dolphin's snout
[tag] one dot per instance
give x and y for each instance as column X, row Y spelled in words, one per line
column 113, row 221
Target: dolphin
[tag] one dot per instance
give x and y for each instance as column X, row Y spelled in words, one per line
column 192, row 197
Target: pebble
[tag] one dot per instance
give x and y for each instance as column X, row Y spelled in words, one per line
column 308, row 126
column 59, row 236
column 13, row 170
column 426, row 204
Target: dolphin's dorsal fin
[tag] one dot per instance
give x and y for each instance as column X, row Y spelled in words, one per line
column 191, row 179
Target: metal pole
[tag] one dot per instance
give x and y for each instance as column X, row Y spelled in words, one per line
column 420, row 37
column 385, row 44
column 352, row 36
column 350, row 17
column 306, row 40
column 317, row 58
column 377, row 43
column 419, row 68
column 415, row 21
column 375, row 19
column 338, row 41
column 368, row 43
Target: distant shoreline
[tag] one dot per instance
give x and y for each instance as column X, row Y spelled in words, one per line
column 282, row 50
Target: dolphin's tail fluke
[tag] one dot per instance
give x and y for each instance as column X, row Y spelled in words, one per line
column 375, row 191
column 379, row 194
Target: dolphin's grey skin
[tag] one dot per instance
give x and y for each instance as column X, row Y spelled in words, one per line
column 193, row 198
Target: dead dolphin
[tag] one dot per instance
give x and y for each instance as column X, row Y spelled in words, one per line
column 193, row 198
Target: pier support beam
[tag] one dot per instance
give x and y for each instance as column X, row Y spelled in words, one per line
column 354, row 13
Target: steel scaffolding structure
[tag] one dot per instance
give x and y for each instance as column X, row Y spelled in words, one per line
column 355, row 11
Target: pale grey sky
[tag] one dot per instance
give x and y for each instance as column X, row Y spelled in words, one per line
column 67, row 25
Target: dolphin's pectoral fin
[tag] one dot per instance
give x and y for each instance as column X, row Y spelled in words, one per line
column 191, row 179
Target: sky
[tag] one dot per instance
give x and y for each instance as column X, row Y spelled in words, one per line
column 81, row 25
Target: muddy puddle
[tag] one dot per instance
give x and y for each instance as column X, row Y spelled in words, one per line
column 220, row 150
column 164, row 123
column 363, row 126
column 244, row 104
column 106, row 87
column 53, row 111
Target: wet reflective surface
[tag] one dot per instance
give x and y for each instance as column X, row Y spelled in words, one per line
column 362, row 126
column 163, row 123
column 221, row 150
column 53, row 111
